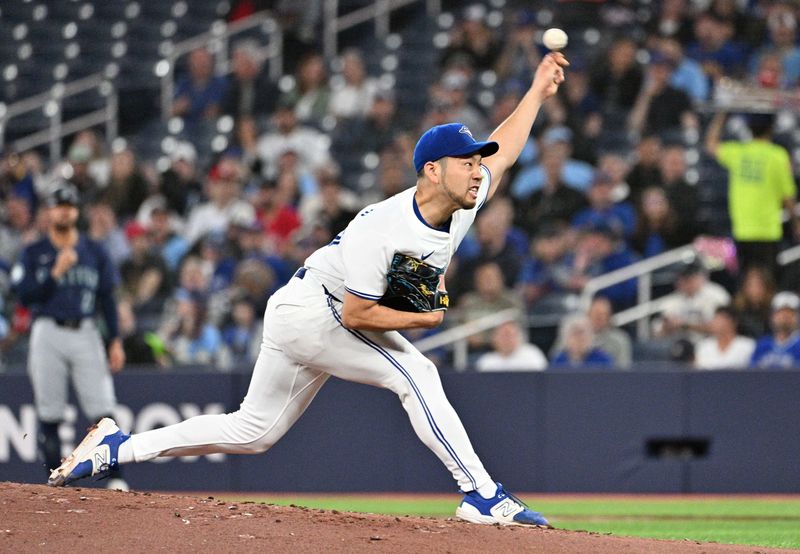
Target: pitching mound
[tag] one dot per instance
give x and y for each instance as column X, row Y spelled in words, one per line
column 36, row 517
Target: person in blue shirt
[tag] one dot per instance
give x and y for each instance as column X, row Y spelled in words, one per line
column 200, row 94
column 600, row 250
column 579, row 352
column 603, row 210
column 781, row 349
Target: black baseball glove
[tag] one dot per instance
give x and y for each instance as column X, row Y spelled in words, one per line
column 414, row 286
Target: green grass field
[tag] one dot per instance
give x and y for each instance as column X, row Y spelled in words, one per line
column 763, row 521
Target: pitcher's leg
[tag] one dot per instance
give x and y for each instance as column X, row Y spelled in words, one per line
column 279, row 393
column 390, row 361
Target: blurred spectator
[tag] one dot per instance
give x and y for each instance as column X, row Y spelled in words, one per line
column 144, row 274
column 672, row 21
column 127, row 187
column 224, row 191
column 189, row 338
column 616, row 81
column 546, row 271
column 103, row 228
column 453, row 91
column 472, row 41
column 752, row 301
column 600, row 250
column 310, row 145
column 276, row 212
column 724, row 349
column 99, row 163
column 16, row 228
column 660, row 107
column 556, row 145
column 520, row 55
column 781, row 349
column 251, row 93
column 646, row 171
column 496, row 242
column 18, row 179
column 760, row 186
column 311, row 94
column 489, row 296
column 200, row 94
column 687, row 74
column 354, row 95
column 579, row 351
column 180, row 184
column 682, row 196
column 555, row 203
column 371, row 132
column 714, row 47
column 77, row 173
column 141, row 347
column 782, row 42
column 687, row 313
column 576, row 107
column 510, row 352
column 242, row 335
column 333, row 207
column 608, row 338
column 603, row 210
column 658, row 226
column 170, row 245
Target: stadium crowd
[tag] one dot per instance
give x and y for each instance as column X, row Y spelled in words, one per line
column 614, row 172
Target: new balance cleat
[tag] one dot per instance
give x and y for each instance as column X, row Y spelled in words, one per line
column 504, row 509
column 96, row 455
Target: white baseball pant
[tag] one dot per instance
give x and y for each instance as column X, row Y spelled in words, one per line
column 304, row 343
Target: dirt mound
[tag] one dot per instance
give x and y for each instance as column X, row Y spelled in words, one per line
column 36, row 517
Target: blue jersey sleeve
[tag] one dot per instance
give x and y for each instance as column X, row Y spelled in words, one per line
column 105, row 292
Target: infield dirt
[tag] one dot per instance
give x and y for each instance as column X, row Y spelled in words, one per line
column 39, row 518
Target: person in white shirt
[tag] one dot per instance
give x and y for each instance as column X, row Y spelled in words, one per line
column 354, row 91
column 688, row 311
column 510, row 353
column 724, row 349
column 331, row 319
column 311, row 146
column 224, row 189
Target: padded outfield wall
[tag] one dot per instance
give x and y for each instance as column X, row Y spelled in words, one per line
column 552, row 432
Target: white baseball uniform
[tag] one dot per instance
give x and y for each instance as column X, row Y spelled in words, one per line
column 304, row 343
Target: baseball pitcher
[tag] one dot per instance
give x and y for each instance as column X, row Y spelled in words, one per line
column 340, row 315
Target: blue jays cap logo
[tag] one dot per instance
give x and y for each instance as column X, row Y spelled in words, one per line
column 464, row 129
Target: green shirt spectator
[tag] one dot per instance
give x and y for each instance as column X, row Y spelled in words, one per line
column 760, row 180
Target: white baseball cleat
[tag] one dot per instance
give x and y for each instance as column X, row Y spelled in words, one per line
column 97, row 454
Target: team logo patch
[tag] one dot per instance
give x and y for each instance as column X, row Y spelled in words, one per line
column 464, row 129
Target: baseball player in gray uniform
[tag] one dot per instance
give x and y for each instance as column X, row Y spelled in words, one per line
column 65, row 279
column 341, row 313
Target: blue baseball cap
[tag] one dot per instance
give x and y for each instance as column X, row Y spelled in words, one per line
column 452, row 139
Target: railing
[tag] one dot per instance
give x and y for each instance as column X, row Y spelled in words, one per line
column 218, row 41
column 457, row 336
column 785, row 257
column 643, row 270
column 52, row 103
column 380, row 11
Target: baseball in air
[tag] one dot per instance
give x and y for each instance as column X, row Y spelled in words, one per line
column 554, row 39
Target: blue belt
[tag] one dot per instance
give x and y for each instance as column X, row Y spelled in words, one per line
column 300, row 273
